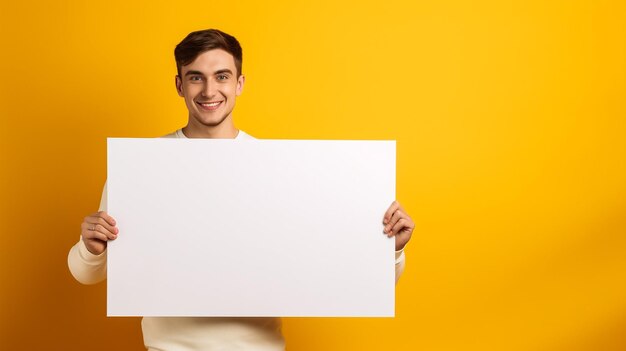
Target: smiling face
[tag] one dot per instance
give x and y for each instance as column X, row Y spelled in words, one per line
column 210, row 86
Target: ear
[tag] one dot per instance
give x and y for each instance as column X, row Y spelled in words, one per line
column 179, row 85
column 240, row 81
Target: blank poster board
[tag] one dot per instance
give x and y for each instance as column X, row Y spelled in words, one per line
column 250, row 228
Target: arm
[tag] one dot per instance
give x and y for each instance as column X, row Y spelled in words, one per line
column 398, row 224
column 87, row 258
column 86, row 267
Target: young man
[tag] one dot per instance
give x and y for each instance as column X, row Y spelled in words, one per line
column 209, row 79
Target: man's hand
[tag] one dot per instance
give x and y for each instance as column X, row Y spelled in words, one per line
column 397, row 223
column 96, row 230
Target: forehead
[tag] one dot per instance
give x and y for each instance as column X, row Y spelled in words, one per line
column 211, row 61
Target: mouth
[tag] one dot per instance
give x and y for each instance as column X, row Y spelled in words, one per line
column 209, row 106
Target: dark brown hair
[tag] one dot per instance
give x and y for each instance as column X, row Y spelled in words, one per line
column 195, row 43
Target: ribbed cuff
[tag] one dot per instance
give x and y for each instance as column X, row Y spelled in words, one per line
column 88, row 257
column 399, row 256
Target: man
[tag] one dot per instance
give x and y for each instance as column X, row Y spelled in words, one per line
column 209, row 79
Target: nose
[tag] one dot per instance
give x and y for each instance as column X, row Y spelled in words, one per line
column 208, row 89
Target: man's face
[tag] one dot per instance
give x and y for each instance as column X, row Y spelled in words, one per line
column 210, row 86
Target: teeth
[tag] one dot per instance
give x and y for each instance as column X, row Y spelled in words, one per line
column 211, row 104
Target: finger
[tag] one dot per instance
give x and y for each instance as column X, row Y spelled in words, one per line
column 104, row 215
column 99, row 228
column 111, row 228
column 394, row 206
column 95, row 235
column 87, row 228
column 394, row 219
column 98, row 231
column 400, row 225
column 100, row 237
column 98, row 220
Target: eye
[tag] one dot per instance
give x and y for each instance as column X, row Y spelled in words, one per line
column 195, row 78
column 222, row 77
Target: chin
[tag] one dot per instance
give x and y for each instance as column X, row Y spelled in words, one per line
column 212, row 122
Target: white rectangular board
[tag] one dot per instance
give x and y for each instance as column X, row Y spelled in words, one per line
column 250, row 228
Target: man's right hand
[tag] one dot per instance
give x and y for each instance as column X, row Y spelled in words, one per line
column 96, row 230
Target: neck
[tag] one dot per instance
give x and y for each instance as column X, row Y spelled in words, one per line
column 224, row 130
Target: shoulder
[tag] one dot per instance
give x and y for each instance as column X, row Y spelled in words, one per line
column 244, row 136
column 175, row 134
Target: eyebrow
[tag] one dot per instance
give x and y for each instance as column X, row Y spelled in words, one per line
column 220, row 71
column 225, row 70
column 194, row 73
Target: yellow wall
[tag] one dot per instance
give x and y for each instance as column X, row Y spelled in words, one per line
column 510, row 119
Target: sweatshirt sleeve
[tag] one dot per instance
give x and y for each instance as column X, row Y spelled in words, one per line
column 86, row 267
column 400, row 259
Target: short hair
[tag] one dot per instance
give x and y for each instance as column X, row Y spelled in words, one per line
column 198, row 42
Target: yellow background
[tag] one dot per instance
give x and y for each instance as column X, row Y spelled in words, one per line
column 510, row 121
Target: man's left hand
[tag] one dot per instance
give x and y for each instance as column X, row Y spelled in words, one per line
column 397, row 223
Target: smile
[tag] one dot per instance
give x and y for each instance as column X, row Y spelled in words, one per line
column 209, row 106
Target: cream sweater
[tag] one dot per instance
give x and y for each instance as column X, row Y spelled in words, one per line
column 192, row 333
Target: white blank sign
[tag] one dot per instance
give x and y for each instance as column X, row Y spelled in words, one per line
column 250, row 228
